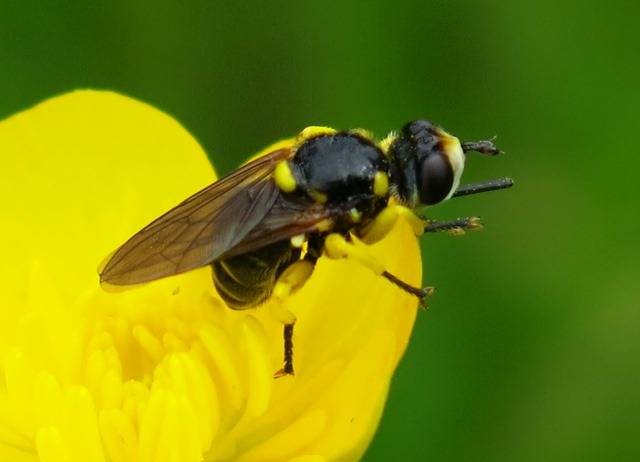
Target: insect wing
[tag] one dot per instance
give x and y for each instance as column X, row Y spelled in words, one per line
column 200, row 229
column 285, row 220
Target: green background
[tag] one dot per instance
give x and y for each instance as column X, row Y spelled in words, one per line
column 530, row 349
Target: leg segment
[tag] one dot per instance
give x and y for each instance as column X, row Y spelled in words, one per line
column 291, row 280
column 455, row 227
column 337, row 246
column 385, row 220
column 422, row 294
column 287, row 369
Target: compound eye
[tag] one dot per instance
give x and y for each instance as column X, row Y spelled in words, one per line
column 435, row 179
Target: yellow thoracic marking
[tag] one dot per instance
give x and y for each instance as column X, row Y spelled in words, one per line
column 355, row 215
column 386, row 143
column 324, row 225
column 385, row 220
column 284, row 177
column 318, row 197
column 298, row 240
column 362, row 132
column 380, row 184
column 313, row 131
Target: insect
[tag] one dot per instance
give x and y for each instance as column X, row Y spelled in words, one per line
column 263, row 227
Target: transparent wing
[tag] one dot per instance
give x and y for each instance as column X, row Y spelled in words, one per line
column 200, row 229
column 285, row 220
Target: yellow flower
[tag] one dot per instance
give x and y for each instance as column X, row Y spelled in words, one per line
column 165, row 372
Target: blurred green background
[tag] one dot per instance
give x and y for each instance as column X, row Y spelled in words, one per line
column 530, row 349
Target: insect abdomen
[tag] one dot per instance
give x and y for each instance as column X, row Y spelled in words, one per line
column 247, row 280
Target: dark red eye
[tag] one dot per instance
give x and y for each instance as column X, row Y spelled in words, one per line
column 435, row 178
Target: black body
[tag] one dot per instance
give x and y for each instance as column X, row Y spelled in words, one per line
column 340, row 169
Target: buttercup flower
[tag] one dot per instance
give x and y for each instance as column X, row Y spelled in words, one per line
column 166, row 372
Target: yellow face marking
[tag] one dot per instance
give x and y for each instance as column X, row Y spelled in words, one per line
column 283, row 177
column 453, row 150
column 449, row 142
column 313, row 131
column 381, row 184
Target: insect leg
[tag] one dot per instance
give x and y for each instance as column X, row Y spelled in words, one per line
column 292, row 279
column 337, row 246
column 382, row 224
column 454, row 227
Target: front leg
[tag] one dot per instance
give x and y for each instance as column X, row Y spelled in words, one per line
column 453, row 227
column 382, row 224
column 337, row 246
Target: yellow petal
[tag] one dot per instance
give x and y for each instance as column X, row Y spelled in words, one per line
column 165, row 371
column 81, row 173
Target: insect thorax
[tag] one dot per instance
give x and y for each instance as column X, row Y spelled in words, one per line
column 341, row 171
